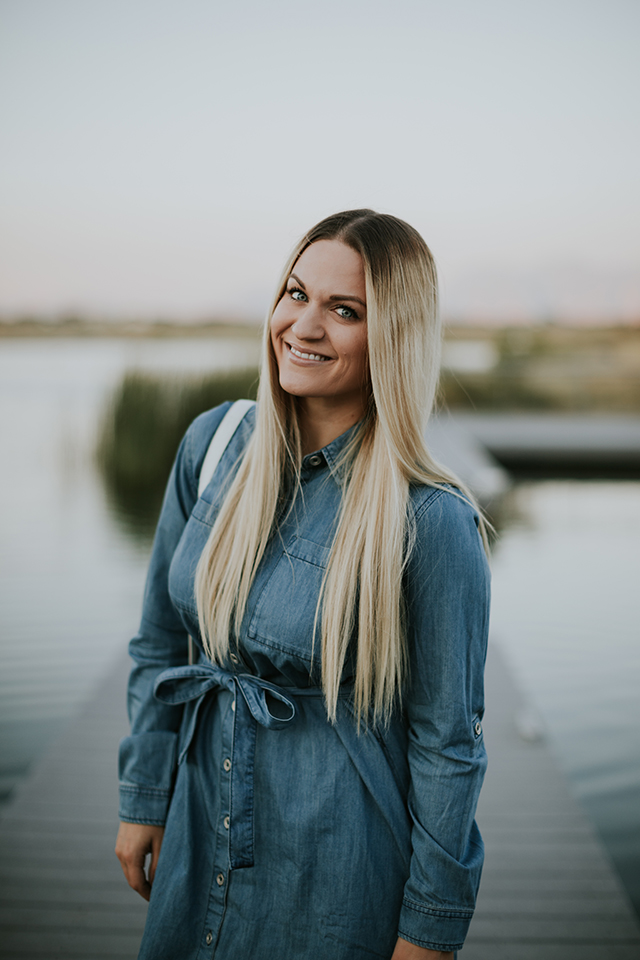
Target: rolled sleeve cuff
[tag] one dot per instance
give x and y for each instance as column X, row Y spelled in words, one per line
column 140, row 805
column 436, row 928
column 147, row 766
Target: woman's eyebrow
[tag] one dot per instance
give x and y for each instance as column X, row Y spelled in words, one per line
column 336, row 296
column 347, row 296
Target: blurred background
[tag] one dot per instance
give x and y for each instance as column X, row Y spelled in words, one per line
column 159, row 160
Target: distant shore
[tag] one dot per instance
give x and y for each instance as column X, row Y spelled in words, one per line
column 562, row 331
column 80, row 327
column 550, row 366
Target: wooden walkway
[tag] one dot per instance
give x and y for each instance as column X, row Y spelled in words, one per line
column 548, row 890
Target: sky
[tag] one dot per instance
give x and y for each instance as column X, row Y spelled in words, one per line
column 159, row 158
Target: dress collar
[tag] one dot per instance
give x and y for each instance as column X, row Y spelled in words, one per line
column 330, row 454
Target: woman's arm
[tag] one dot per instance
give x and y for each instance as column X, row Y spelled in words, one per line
column 148, row 756
column 447, row 609
column 409, row 951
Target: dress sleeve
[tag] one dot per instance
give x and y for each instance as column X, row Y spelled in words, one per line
column 147, row 760
column 447, row 609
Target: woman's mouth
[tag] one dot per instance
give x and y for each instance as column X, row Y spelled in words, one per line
column 306, row 356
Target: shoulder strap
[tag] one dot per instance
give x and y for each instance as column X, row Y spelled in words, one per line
column 221, row 438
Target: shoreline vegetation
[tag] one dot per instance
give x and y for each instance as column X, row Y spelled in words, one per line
column 546, row 367
column 73, row 325
column 518, row 367
column 140, row 430
column 83, row 327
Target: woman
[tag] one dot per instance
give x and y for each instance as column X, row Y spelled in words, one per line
column 321, row 761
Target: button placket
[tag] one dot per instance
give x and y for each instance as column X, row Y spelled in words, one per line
column 221, row 874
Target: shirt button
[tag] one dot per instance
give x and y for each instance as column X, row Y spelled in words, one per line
column 315, row 460
column 478, row 728
column 220, row 879
column 233, row 706
column 226, row 822
column 209, row 938
column 233, row 658
column 227, row 764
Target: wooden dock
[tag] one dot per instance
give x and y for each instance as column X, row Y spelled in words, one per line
column 479, row 446
column 548, row 891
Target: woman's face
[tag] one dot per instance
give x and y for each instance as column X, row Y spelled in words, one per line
column 319, row 328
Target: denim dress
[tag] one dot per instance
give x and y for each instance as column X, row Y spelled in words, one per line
column 288, row 836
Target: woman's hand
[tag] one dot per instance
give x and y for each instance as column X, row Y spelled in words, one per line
column 409, row 951
column 134, row 842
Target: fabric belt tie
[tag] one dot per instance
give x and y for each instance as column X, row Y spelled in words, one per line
column 190, row 685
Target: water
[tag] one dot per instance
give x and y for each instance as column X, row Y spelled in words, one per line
column 566, row 608
column 566, row 574
column 70, row 577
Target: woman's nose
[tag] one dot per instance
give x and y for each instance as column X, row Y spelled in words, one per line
column 309, row 324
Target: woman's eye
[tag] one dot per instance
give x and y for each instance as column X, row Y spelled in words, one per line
column 346, row 313
column 296, row 294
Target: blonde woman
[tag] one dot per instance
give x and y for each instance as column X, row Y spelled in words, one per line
column 307, row 787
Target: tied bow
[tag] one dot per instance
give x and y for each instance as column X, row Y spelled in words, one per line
column 190, row 685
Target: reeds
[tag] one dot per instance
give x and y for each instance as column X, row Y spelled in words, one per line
column 141, row 429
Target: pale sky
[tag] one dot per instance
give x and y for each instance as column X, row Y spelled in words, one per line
column 160, row 157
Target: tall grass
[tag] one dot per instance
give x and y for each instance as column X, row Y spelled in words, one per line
column 142, row 426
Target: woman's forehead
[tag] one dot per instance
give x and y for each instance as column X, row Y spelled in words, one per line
column 328, row 263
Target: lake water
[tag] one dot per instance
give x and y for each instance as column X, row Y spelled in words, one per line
column 566, row 609
column 566, row 572
column 70, row 577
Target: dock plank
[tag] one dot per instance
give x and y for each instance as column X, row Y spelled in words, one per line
column 548, row 891
column 548, row 888
column 61, row 886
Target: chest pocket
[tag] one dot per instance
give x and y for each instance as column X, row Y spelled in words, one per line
column 286, row 608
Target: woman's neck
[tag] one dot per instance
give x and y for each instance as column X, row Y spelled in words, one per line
column 322, row 422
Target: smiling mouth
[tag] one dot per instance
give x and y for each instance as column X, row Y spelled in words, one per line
column 306, row 356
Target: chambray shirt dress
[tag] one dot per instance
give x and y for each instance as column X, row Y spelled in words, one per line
column 288, row 836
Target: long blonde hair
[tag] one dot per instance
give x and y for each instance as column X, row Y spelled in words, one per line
column 361, row 596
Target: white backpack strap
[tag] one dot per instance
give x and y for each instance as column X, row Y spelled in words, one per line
column 221, row 438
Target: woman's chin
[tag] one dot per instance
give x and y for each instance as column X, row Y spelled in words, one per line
column 301, row 386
